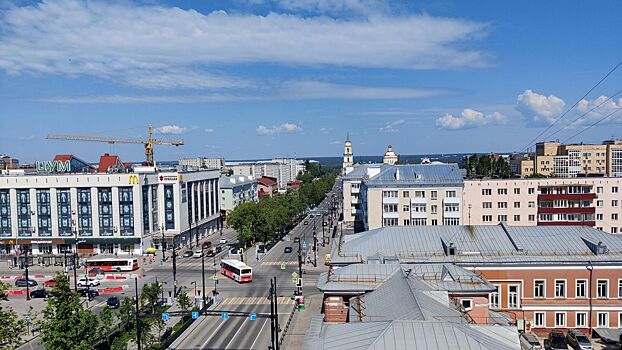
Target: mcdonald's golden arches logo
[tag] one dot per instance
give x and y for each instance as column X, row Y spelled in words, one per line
column 133, row 180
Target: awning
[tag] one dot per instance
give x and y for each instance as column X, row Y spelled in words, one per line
column 609, row 335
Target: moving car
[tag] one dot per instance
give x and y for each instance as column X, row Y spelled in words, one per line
column 207, row 245
column 578, row 341
column 113, row 302
column 187, row 254
column 297, row 240
column 49, row 283
column 21, row 282
column 90, row 293
column 39, row 293
column 198, row 253
column 218, row 249
column 556, row 341
column 91, row 282
column 210, row 253
column 223, row 241
column 306, row 222
column 96, row 271
column 287, row 250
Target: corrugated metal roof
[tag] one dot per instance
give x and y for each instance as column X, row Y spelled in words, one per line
column 417, row 174
column 360, row 171
column 356, row 278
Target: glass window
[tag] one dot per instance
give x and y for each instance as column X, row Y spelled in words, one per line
column 560, row 288
column 560, row 319
column 602, row 289
column 5, row 214
column 539, row 289
column 493, row 299
column 451, row 194
column 145, row 193
column 23, row 213
column 433, row 194
column 581, row 289
column 63, row 197
column 126, row 211
column 539, row 319
column 619, row 288
column 154, row 208
column 581, row 319
column 44, row 213
column 603, row 319
column 451, row 221
column 486, row 205
column 512, row 297
column 169, row 207
column 85, row 215
column 105, row 211
column 517, row 190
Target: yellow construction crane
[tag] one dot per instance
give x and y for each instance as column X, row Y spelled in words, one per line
column 148, row 143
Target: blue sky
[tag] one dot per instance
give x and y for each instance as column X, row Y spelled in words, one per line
column 263, row 78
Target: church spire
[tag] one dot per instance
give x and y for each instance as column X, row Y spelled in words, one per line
column 348, row 136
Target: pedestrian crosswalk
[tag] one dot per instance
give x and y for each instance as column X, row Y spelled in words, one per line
column 255, row 301
column 272, row 263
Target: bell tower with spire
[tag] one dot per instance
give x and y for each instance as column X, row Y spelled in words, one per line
column 348, row 157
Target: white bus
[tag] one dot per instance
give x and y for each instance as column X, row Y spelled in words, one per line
column 236, row 270
column 112, row 265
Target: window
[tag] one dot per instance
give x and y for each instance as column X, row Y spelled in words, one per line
column 406, row 207
column 502, row 218
column 539, row 319
column 126, row 211
column 581, row 288
column 487, row 205
column 531, row 204
column 603, row 319
column 23, row 213
column 5, row 214
column 434, row 208
column 419, row 208
column 390, row 221
column 532, row 217
column 487, row 218
column 560, row 288
column 467, row 304
column 619, row 288
column 602, row 289
column 614, row 230
column 85, row 213
column 599, row 189
column 599, row 203
column 516, row 217
column 406, row 194
column 516, row 204
column 434, row 222
column 560, row 319
column 433, row 195
column 419, row 222
column 104, row 197
column 451, row 221
column 581, row 319
column 451, row 194
column 513, row 296
column 419, row 194
column 169, row 207
column 406, row 222
column 539, row 289
column 517, row 190
column 385, row 194
column 502, row 205
column 63, row 198
column 599, row 217
column 531, row 190
column 502, row 191
column 389, row 208
column 486, row 192
column 614, row 189
column 44, row 214
column 619, row 319
column 493, row 299
column 154, row 208
column 452, row 207
column 614, row 216
column 145, row 193
column 614, row 203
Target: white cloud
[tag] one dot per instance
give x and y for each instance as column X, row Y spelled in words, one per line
column 597, row 109
column 468, row 119
column 335, row 142
column 392, row 126
column 209, row 131
column 162, row 47
column 285, row 128
column 539, row 110
column 334, row 6
column 170, row 130
column 325, row 130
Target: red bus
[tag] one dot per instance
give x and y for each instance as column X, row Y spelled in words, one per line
column 236, row 270
column 112, row 265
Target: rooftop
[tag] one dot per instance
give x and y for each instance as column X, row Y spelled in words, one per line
column 417, row 174
column 234, row 181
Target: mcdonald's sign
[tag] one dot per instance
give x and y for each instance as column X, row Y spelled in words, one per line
column 133, row 180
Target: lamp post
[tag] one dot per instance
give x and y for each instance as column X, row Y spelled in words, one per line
column 590, row 268
column 195, row 287
column 162, row 243
column 163, row 283
column 215, row 292
column 203, row 273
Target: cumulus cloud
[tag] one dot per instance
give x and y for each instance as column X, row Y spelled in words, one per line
column 392, row 126
column 325, row 130
column 209, row 131
column 159, row 47
column 539, row 110
column 285, row 128
column 468, row 119
column 588, row 111
column 170, row 130
column 335, row 142
column 335, row 6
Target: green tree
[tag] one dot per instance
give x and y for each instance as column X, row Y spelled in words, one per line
column 66, row 324
column 127, row 312
column 12, row 327
column 107, row 320
column 184, row 301
column 150, row 295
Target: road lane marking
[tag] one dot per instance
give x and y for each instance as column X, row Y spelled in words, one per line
column 255, row 301
column 236, row 333
column 276, row 263
column 211, row 336
column 259, row 334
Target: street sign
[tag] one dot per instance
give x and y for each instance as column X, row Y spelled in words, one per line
column 304, row 244
column 282, row 266
column 27, row 318
column 252, row 316
column 224, row 316
column 165, row 316
column 214, row 277
column 195, row 315
column 294, row 274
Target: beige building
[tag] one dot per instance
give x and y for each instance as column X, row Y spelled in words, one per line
column 575, row 160
column 390, row 157
column 595, row 202
column 351, row 188
column 202, row 162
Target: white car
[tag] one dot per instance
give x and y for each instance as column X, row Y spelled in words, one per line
column 223, row 241
column 198, row 253
column 88, row 282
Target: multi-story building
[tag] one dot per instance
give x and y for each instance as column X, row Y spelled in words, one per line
column 267, row 186
column 58, row 209
column 411, row 195
column 202, row 162
column 575, row 160
column 348, row 155
column 594, row 202
column 390, row 157
column 235, row 190
column 8, row 162
column 545, row 277
column 283, row 169
column 351, row 189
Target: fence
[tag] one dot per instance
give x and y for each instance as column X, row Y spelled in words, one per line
column 287, row 323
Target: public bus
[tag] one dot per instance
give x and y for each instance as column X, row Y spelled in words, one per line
column 113, row 264
column 236, row 270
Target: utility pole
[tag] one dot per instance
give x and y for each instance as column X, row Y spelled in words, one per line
column 137, row 315
column 299, row 265
column 27, row 279
column 203, row 273
column 162, row 243
column 276, row 316
column 272, row 314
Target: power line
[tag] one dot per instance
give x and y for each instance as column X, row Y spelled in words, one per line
column 574, row 105
column 593, row 124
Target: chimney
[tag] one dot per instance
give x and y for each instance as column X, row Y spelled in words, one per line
column 397, row 174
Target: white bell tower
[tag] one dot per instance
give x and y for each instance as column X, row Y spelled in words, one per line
column 348, row 157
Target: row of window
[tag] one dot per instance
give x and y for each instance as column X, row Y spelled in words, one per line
column 488, row 218
column 581, row 289
column 581, row 319
column 421, row 208
column 550, row 190
column 418, row 194
column 614, row 203
column 420, row 222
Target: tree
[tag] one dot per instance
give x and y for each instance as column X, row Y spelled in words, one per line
column 184, row 301
column 107, row 319
column 150, row 295
column 127, row 312
column 66, row 324
column 12, row 327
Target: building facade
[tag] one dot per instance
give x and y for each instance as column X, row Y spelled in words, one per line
column 123, row 213
column 202, row 162
column 235, row 190
column 348, row 155
column 351, row 189
column 283, row 169
column 594, row 202
column 390, row 157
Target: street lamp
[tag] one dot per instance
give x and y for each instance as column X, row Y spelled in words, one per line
column 162, row 243
column 590, row 268
column 195, row 287
column 203, row 272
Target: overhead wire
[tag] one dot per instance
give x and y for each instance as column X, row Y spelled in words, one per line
column 593, row 124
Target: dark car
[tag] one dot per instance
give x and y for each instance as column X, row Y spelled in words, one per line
column 306, row 222
column 207, row 245
column 113, row 302
column 96, row 271
column 90, row 293
column 578, row 341
column 324, row 223
column 21, row 282
column 297, row 239
column 39, row 293
column 556, row 341
column 210, row 253
column 218, row 249
column 287, row 250
column 187, row 254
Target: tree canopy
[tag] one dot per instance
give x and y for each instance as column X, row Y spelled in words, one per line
column 487, row 166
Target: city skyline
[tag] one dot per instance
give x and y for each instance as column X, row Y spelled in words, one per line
column 425, row 78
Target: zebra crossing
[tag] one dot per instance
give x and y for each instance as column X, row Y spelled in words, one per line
column 255, row 301
column 272, row 263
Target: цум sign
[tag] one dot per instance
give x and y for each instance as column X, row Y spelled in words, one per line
column 54, row 166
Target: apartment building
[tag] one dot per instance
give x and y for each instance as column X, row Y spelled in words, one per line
column 594, row 202
column 235, row 190
column 417, row 195
column 575, row 160
column 351, row 189
column 283, row 169
column 202, row 162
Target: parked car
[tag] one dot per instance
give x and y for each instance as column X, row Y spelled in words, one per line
column 207, row 245
column 39, row 293
column 96, row 271
column 87, row 292
column 287, row 250
column 311, row 216
column 21, row 282
column 218, row 249
column 90, row 281
column 556, row 341
column 198, row 253
column 187, row 254
column 528, row 341
column 49, row 283
column 578, row 341
column 297, row 240
column 324, row 223
column 113, row 302
column 223, row 241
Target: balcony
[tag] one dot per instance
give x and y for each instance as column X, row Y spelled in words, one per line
column 390, row 215
column 356, row 189
column 567, row 223
column 569, row 210
column 566, row 196
column 390, row 200
column 418, row 200
column 354, row 200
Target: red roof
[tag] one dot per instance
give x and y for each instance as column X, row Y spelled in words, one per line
column 267, row 181
column 63, row 157
column 107, row 161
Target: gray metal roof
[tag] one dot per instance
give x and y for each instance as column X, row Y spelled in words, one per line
column 356, row 278
column 450, row 278
column 417, row 175
column 486, row 243
column 360, row 171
